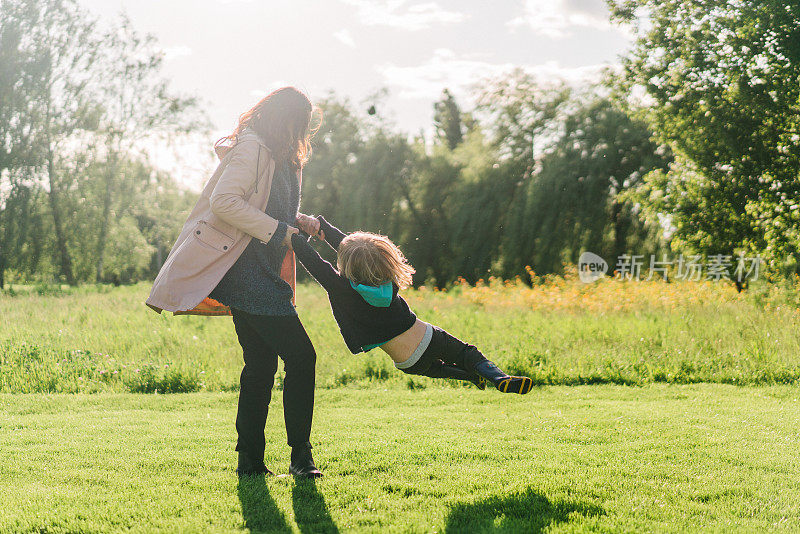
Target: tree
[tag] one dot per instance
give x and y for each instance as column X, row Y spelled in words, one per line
column 159, row 209
column 426, row 187
column 54, row 99
column 575, row 201
column 136, row 105
column 521, row 113
column 329, row 177
column 76, row 106
column 721, row 86
column 364, row 176
column 447, row 120
column 492, row 205
column 18, row 69
column 62, row 100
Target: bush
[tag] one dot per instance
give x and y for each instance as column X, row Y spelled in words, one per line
column 165, row 379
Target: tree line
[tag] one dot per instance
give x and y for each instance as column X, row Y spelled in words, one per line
column 528, row 179
column 693, row 147
column 79, row 201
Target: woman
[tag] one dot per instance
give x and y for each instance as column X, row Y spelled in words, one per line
column 235, row 248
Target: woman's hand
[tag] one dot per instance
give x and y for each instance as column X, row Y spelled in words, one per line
column 308, row 224
column 287, row 239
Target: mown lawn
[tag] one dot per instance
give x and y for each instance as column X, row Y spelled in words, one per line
column 559, row 332
column 663, row 458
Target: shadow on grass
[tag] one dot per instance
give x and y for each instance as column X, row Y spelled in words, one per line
column 529, row 511
column 259, row 510
column 310, row 509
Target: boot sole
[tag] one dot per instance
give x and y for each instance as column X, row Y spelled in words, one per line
column 300, row 474
column 256, row 473
column 515, row 384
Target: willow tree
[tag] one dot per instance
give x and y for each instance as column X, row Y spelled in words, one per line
column 137, row 107
column 69, row 92
column 575, row 201
column 59, row 100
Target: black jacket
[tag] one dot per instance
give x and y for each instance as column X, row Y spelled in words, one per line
column 361, row 323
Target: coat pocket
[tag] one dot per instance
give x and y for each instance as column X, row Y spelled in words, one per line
column 213, row 237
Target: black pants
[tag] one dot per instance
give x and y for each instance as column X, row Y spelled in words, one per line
column 446, row 357
column 263, row 339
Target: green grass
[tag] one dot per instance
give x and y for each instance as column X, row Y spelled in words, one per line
column 412, row 455
column 90, row 340
column 661, row 458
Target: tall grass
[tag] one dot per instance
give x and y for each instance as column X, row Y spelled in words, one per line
column 558, row 331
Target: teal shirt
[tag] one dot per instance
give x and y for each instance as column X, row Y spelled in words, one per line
column 368, row 348
column 379, row 296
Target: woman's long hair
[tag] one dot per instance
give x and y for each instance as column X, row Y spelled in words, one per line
column 283, row 121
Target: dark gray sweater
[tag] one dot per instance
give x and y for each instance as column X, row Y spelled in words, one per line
column 253, row 284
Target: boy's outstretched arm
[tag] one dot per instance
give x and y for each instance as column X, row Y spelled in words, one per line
column 332, row 234
column 322, row 271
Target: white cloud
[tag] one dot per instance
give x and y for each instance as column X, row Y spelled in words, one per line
column 559, row 18
column 460, row 72
column 175, row 52
column 398, row 14
column 345, row 37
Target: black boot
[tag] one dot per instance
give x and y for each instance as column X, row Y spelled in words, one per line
column 478, row 380
column 444, row 370
column 302, row 463
column 503, row 382
column 248, row 466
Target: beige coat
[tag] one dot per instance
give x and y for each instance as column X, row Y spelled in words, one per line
column 229, row 213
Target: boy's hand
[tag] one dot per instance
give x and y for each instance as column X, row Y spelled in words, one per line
column 287, row 240
column 308, row 224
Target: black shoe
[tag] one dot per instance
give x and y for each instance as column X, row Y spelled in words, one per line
column 515, row 384
column 478, row 380
column 302, row 463
column 250, row 467
column 503, row 382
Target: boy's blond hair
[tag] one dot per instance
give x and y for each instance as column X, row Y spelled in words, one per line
column 371, row 259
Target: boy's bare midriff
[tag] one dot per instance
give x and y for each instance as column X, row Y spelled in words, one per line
column 400, row 348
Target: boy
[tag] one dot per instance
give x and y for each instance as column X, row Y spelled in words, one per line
column 364, row 298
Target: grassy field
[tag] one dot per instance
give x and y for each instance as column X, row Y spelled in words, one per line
column 559, row 332
column 562, row 459
column 707, row 439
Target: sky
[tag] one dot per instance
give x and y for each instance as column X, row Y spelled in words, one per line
column 232, row 52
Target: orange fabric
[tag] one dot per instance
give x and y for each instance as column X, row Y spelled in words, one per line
column 288, row 272
column 208, row 307
column 211, row 308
